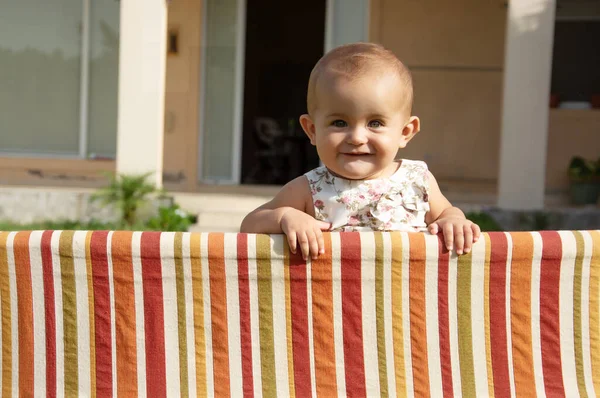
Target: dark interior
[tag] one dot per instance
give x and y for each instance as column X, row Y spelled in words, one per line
column 283, row 42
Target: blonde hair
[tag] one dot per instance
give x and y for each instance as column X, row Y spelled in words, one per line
column 356, row 60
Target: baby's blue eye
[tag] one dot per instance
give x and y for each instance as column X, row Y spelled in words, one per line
column 339, row 123
column 375, row 123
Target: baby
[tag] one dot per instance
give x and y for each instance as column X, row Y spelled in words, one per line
column 359, row 115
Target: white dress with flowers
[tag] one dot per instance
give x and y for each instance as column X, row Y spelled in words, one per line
column 397, row 203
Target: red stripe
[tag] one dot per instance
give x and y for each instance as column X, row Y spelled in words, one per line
column 549, row 313
column 444, row 318
column 352, row 314
column 299, row 308
column 49, row 314
column 154, row 319
column 245, row 331
column 102, row 325
column 498, row 341
column 25, row 309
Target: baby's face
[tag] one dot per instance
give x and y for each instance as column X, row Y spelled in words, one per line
column 358, row 125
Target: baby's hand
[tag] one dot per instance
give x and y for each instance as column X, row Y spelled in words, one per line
column 304, row 229
column 458, row 232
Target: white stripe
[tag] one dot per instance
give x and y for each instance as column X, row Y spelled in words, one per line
column 311, row 340
column 453, row 323
column 565, row 291
column 210, row 382
column 536, row 340
column 387, row 314
column 410, row 388
column 58, row 315
column 171, row 324
column 478, row 318
column 83, row 313
column 113, row 323
column 338, row 328
column 431, row 316
column 14, row 311
column 254, row 316
column 140, row 330
column 585, row 314
column 279, row 316
column 369, row 314
column 509, row 345
column 233, row 315
column 189, row 313
column 39, row 318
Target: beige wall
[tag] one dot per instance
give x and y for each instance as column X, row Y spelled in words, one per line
column 455, row 52
column 181, row 100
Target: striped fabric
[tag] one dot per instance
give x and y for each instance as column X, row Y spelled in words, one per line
column 101, row 314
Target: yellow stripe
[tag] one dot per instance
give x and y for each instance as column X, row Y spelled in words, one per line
column 181, row 324
column 6, row 319
column 288, row 320
column 380, row 322
column 465, row 332
column 90, row 280
column 577, row 313
column 69, row 295
column 398, row 331
column 198, row 294
column 594, row 309
column 265, row 315
column 488, row 344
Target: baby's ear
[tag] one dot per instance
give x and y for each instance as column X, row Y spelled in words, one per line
column 410, row 129
column 309, row 128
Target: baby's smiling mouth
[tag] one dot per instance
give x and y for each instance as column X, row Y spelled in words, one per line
column 355, row 153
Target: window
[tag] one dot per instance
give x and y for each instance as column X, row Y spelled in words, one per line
column 59, row 61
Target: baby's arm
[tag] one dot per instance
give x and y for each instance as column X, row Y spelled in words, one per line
column 443, row 217
column 291, row 211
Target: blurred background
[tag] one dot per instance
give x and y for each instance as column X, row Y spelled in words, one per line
column 206, row 95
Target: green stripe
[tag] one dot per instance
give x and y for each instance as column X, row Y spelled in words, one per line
column 265, row 315
column 577, row 313
column 6, row 319
column 465, row 333
column 380, row 320
column 69, row 295
column 181, row 324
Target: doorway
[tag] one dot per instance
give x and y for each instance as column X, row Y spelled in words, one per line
column 284, row 40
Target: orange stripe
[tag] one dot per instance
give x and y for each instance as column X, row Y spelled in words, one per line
column 198, row 294
column 90, row 281
column 418, row 324
column 594, row 309
column 520, row 304
column 6, row 319
column 322, row 293
column 218, row 304
column 398, row 330
column 288, row 320
column 124, row 314
column 488, row 344
column 25, row 310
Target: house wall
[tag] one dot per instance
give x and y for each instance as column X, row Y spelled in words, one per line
column 182, row 97
column 455, row 52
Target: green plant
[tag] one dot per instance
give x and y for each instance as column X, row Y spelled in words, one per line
column 485, row 221
column 170, row 218
column 584, row 170
column 127, row 193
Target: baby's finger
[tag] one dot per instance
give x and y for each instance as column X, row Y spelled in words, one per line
column 304, row 245
column 433, row 228
column 476, row 232
column 320, row 241
column 459, row 240
column 313, row 244
column 448, row 236
column 291, row 236
column 324, row 226
column 468, row 232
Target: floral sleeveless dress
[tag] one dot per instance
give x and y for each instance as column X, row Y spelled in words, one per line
column 397, row 203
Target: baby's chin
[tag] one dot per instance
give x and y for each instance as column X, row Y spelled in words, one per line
column 356, row 170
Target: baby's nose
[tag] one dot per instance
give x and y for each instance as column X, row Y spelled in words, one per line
column 356, row 136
